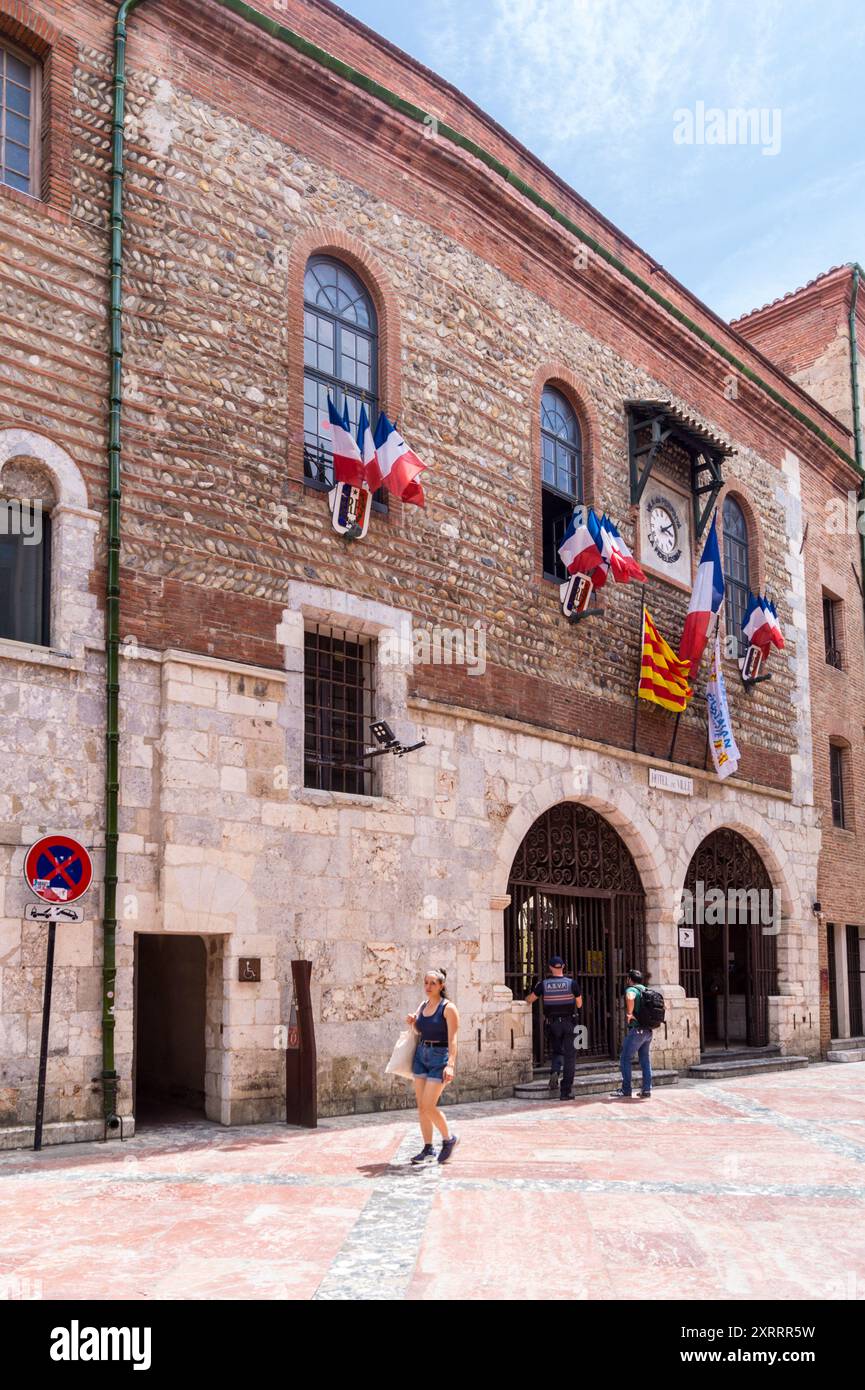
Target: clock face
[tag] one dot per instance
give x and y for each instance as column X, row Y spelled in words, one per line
column 664, row 527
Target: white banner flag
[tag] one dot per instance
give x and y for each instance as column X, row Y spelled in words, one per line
column 725, row 754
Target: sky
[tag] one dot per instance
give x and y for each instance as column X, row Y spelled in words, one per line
column 615, row 95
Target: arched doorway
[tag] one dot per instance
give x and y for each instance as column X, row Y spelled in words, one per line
column 732, row 965
column 576, row 892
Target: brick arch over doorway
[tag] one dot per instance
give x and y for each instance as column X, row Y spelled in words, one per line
column 575, row 892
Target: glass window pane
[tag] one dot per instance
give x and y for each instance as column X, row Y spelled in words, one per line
column 17, row 71
column 17, row 128
column 16, row 181
column 18, row 99
column 325, row 360
column 325, row 332
column 363, row 349
column 309, row 353
column 17, row 158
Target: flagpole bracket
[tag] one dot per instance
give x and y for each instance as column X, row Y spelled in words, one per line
column 755, row 680
column 574, row 618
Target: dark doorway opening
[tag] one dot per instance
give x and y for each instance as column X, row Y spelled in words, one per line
column 732, row 965
column 576, row 892
column 170, row 1009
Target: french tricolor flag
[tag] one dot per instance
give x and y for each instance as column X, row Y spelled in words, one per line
column 365, row 443
column 706, row 599
column 617, row 554
column 395, row 466
column 578, row 551
column 347, row 461
column 760, row 625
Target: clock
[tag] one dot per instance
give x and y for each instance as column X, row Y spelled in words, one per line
column 664, row 529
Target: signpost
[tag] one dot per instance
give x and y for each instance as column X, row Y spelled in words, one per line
column 58, row 870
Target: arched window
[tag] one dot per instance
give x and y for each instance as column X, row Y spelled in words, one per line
column 340, row 357
column 19, row 119
column 737, row 571
column 26, row 501
column 561, row 475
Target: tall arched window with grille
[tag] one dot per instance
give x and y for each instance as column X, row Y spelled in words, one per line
column 737, row 568
column 561, row 475
column 340, row 357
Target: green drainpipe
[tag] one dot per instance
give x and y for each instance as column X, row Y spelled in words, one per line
column 444, row 132
column 112, row 587
column 854, row 387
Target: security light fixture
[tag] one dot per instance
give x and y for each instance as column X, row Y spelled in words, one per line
column 388, row 741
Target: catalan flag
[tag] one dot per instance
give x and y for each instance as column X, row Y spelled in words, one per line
column 663, row 675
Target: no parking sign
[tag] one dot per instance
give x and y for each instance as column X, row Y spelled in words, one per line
column 58, row 869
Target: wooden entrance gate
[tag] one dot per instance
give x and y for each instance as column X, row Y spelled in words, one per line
column 732, row 968
column 576, row 892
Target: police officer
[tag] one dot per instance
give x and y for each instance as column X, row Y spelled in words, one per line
column 561, row 1001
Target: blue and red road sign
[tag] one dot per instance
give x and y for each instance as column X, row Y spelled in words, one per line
column 58, row 869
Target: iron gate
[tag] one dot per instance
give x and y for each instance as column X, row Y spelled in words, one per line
column 575, row 892
column 726, row 861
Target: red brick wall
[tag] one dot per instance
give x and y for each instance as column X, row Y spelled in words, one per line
column 266, row 159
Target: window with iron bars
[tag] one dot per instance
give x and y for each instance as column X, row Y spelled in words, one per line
column 836, row 775
column 339, row 699
column 832, row 630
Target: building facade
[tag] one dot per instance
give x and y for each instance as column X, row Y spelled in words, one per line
column 291, row 230
column 814, row 334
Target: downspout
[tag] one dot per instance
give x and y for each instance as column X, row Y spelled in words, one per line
column 857, row 422
column 112, row 587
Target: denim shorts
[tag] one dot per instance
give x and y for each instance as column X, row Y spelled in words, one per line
column 430, row 1060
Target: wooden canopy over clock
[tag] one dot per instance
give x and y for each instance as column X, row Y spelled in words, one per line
column 651, row 425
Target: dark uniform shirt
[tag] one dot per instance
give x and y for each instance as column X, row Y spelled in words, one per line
column 559, row 993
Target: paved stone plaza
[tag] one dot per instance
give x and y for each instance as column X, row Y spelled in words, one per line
column 752, row 1188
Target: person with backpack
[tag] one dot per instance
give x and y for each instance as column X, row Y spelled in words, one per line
column 562, row 997
column 645, row 1011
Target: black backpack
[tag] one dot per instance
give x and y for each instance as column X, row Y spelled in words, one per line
column 651, row 1010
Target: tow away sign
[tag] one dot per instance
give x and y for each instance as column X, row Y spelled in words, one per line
column 58, row 869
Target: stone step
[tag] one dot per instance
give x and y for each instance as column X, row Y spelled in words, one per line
column 589, row 1083
column 746, row 1066
column 844, row 1044
column 739, row 1054
column 603, row 1064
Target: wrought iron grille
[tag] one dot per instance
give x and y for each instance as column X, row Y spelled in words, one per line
column 726, row 861
column 831, row 626
column 833, row 979
column 855, row 981
column 836, row 777
column 576, row 892
column 339, row 698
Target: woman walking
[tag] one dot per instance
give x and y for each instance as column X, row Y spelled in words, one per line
column 436, row 1023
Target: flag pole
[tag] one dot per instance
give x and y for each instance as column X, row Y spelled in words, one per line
column 639, row 667
column 675, row 732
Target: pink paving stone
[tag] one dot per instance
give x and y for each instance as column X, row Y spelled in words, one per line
column 492, row 1246
column 271, row 1213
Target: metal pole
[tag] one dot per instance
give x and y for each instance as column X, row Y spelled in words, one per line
column 675, row 732
column 639, row 667
column 43, row 1048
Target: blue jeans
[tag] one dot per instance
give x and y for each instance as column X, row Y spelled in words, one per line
column 636, row 1040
